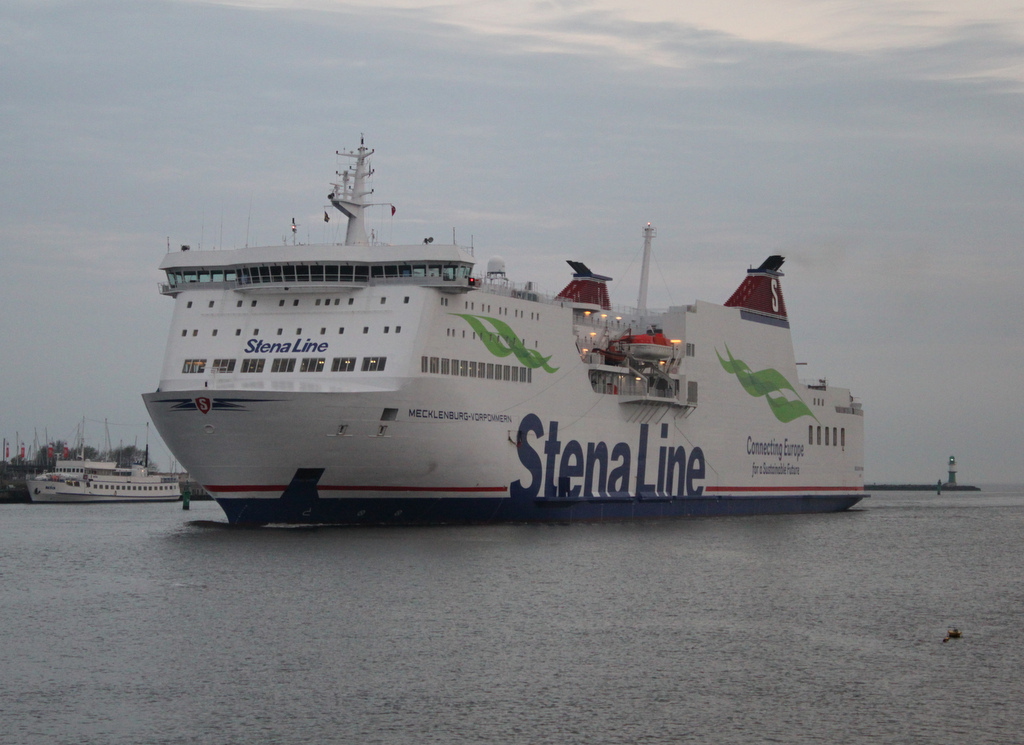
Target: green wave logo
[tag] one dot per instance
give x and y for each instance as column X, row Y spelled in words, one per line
column 765, row 383
column 501, row 341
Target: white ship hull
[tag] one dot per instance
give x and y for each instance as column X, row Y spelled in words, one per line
column 484, row 447
column 43, row 492
column 88, row 481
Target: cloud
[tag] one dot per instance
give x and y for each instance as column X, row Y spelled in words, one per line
column 635, row 30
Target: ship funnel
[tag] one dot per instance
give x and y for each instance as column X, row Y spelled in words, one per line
column 587, row 287
column 760, row 293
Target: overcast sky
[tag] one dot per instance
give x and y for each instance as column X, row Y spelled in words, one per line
column 880, row 149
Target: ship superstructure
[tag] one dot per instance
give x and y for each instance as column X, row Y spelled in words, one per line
column 380, row 384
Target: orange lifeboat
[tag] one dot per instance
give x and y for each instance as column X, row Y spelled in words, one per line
column 650, row 346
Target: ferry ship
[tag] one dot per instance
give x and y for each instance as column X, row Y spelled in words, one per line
column 102, row 481
column 369, row 384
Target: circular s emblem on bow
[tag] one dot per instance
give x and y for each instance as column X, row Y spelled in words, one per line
column 203, row 404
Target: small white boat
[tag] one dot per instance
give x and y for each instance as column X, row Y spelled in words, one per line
column 102, row 481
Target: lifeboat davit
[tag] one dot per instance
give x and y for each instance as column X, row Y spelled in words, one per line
column 653, row 346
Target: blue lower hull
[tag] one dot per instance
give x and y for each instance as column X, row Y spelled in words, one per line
column 301, row 503
column 453, row 511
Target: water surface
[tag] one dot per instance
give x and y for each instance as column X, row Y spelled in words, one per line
column 142, row 623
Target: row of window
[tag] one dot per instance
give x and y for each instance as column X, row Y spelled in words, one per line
column 469, row 305
column 295, row 302
column 273, row 274
column 285, row 365
column 486, row 308
column 837, row 439
column 96, row 486
column 473, row 369
column 298, row 331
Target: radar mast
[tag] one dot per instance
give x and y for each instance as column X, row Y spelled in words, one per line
column 349, row 195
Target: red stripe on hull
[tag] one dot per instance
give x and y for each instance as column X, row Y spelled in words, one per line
column 787, row 489
column 281, row 488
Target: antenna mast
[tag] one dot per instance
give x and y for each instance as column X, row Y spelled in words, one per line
column 349, row 195
column 641, row 301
